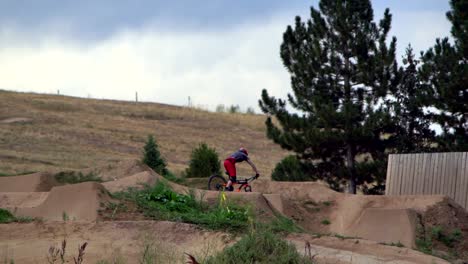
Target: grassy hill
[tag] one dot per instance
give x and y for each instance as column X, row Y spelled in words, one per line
column 41, row 132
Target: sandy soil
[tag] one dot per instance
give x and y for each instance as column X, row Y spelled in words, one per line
column 336, row 250
column 29, row 243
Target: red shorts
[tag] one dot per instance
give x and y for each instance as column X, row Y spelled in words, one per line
column 230, row 166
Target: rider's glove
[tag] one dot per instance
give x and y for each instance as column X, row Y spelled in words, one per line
column 257, row 175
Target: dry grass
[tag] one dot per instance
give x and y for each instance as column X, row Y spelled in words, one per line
column 75, row 133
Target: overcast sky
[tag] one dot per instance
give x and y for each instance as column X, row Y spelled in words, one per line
column 215, row 51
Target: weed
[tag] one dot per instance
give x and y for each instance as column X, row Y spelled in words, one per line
column 156, row 251
column 173, row 178
column 342, row 237
column 259, row 247
column 16, row 174
column 447, row 239
column 327, row 203
column 65, row 216
column 282, row 224
column 57, row 252
column 393, row 244
column 25, row 219
column 115, row 207
column 326, row 222
column 81, row 249
column 71, row 177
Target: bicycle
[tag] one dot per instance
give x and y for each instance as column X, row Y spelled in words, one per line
column 218, row 183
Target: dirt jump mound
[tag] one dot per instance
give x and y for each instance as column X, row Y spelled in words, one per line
column 77, row 202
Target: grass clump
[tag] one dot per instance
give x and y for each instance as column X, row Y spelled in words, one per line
column 71, row 177
column 173, row 178
column 326, row 222
column 162, row 203
column 282, row 225
column 262, row 246
column 7, row 217
column 447, row 238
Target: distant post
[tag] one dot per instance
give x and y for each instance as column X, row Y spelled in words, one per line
column 58, row 92
column 136, row 97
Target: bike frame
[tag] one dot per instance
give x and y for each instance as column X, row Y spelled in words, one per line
column 244, row 183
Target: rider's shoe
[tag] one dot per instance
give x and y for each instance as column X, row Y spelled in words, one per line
column 230, row 188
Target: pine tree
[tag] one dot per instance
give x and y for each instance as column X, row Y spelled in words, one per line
column 445, row 73
column 152, row 157
column 341, row 69
column 414, row 134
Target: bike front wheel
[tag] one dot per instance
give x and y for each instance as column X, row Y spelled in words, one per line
column 216, row 183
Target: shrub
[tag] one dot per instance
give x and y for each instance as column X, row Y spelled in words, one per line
column 289, row 169
column 233, row 109
column 220, row 108
column 250, row 111
column 6, row 216
column 71, row 177
column 152, row 157
column 259, row 247
column 204, row 161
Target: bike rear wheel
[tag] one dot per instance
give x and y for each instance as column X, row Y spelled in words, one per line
column 216, row 183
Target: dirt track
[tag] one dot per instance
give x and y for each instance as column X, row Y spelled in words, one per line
column 308, row 203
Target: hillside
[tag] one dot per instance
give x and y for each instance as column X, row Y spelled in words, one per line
column 41, row 132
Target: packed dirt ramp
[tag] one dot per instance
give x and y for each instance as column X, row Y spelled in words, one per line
column 76, row 202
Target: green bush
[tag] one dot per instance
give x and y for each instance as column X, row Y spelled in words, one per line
column 259, row 247
column 71, row 177
column 204, row 161
column 289, row 169
column 6, row 216
column 152, row 157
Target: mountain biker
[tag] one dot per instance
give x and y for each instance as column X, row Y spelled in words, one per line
column 230, row 166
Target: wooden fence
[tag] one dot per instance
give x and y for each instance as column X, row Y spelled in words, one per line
column 429, row 173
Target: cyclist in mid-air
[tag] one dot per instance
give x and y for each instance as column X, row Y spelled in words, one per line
column 230, row 166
